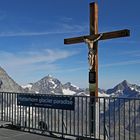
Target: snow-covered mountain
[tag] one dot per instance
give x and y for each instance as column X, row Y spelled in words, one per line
column 124, row 89
column 70, row 89
column 7, row 84
column 51, row 85
column 47, row 85
column 28, row 86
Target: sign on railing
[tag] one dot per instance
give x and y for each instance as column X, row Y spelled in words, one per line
column 55, row 102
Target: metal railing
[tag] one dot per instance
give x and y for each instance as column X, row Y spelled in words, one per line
column 115, row 118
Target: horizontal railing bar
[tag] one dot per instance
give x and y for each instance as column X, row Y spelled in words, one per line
column 78, row 96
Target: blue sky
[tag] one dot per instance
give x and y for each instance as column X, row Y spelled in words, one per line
column 32, row 34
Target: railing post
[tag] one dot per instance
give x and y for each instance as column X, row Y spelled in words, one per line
column 134, row 119
column 104, row 121
column 91, row 116
column 124, row 118
column 129, row 129
column 2, row 107
column 62, row 124
column 29, row 119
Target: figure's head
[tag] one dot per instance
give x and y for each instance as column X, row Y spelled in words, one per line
column 86, row 40
column 89, row 43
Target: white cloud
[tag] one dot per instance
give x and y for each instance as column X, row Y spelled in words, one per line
column 77, row 69
column 131, row 53
column 27, row 33
column 34, row 57
column 124, row 63
column 61, row 28
column 66, row 19
column 27, row 63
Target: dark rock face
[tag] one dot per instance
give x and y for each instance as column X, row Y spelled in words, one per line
column 121, row 86
column 47, row 85
column 0, row 83
column 7, row 84
column 71, row 87
column 125, row 89
column 51, row 85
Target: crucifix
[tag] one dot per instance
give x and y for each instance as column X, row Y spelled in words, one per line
column 92, row 41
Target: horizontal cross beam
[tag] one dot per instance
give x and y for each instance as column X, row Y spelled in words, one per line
column 107, row 35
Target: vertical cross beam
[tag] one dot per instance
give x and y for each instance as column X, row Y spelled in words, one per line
column 93, row 74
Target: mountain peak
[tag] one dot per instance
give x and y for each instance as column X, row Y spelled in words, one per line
column 2, row 71
column 50, row 76
column 125, row 83
column 7, row 84
column 47, row 78
column 124, row 89
column 68, row 84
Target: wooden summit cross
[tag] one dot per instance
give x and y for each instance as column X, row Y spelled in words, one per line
column 92, row 41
